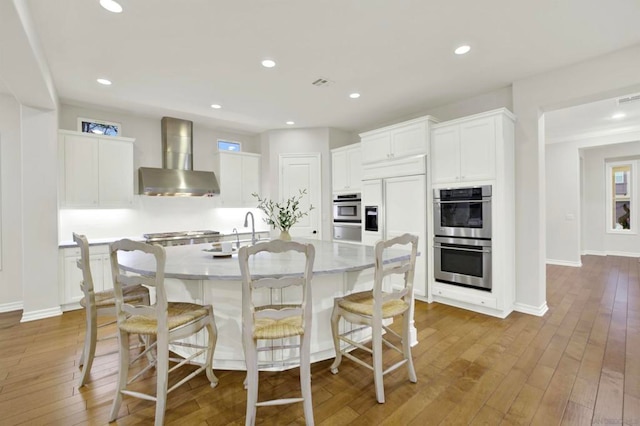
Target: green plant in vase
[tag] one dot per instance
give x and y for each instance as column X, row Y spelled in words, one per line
column 283, row 215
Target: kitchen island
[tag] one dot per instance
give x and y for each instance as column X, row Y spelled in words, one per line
column 194, row 275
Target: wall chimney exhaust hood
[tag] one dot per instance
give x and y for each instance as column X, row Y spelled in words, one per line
column 176, row 177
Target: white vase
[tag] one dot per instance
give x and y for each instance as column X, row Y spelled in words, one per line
column 284, row 235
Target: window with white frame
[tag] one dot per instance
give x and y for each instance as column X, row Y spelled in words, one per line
column 229, row 146
column 99, row 127
column 621, row 181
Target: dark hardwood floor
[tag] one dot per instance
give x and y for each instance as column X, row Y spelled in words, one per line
column 579, row 364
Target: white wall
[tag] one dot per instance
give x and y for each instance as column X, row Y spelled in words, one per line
column 597, row 240
column 603, row 77
column 11, row 204
column 563, row 204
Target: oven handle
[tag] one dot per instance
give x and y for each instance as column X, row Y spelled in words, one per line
column 461, row 201
column 462, row 249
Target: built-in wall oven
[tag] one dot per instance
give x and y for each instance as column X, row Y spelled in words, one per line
column 463, row 261
column 347, row 217
column 462, row 236
column 463, row 212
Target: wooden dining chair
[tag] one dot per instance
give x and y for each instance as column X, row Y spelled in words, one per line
column 164, row 323
column 370, row 308
column 272, row 309
column 98, row 304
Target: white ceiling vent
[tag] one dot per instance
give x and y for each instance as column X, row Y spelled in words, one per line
column 322, row 82
column 627, row 99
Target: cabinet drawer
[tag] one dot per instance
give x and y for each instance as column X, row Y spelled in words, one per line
column 465, row 295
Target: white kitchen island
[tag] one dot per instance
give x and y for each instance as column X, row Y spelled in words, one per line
column 193, row 275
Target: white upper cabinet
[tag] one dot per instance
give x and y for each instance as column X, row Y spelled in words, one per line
column 396, row 141
column 238, row 174
column 95, row 171
column 346, row 168
column 464, row 150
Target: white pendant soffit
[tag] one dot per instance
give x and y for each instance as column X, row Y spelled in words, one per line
column 399, row 55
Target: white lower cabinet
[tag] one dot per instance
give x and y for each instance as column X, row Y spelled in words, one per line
column 70, row 275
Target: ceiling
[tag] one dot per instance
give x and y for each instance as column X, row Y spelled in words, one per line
column 177, row 57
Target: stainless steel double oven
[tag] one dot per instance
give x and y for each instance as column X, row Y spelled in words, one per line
column 462, row 242
column 347, row 217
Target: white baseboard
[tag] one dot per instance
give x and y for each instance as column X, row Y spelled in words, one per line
column 531, row 310
column 594, row 253
column 622, row 253
column 9, row 307
column 576, row 264
column 41, row 314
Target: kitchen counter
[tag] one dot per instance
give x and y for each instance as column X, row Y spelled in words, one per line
column 193, row 275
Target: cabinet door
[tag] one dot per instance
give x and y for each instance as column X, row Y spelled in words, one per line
column 250, row 180
column 73, row 277
column 107, row 279
column 80, row 168
column 115, row 173
column 354, row 166
column 445, row 157
column 409, row 140
column 376, row 147
column 339, row 170
column 230, row 180
column 477, row 149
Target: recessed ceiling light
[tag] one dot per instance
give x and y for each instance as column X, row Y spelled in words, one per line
column 618, row 115
column 290, row 123
column 104, row 81
column 461, row 50
column 268, row 63
column 354, row 95
column 216, row 106
column 111, row 5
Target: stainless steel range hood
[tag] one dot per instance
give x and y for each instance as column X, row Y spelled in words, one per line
column 176, row 177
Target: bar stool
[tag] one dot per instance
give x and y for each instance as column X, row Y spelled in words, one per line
column 371, row 307
column 99, row 304
column 164, row 323
column 264, row 319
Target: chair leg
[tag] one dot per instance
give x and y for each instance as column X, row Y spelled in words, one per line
column 252, row 383
column 406, row 346
column 305, row 378
column 335, row 319
column 212, row 333
column 89, row 348
column 123, row 373
column 376, row 346
column 162, row 379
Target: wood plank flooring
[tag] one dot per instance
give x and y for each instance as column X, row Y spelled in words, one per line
column 577, row 365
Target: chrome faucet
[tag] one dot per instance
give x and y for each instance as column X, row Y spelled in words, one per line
column 235, row 231
column 253, row 226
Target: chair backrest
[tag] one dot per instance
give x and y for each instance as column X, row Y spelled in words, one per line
column 155, row 254
column 85, row 266
column 406, row 268
column 292, row 272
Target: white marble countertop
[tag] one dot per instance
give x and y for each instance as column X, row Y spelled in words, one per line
column 102, row 241
column 190, row 262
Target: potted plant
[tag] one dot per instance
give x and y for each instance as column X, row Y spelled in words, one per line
column 283, row 215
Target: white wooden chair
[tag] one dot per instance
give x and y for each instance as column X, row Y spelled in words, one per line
column 370, row 308
column 265, row 320
column 165, row 322
column 99, row 304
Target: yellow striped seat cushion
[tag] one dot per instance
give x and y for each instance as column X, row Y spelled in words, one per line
column 133, row 294
column 179, row 313
column 362, row 303
column 265, row 328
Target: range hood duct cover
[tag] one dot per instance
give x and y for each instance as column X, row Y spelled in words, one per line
column 177, row 177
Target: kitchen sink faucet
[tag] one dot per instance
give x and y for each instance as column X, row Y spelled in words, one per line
column 235, row 231
column 253, row 226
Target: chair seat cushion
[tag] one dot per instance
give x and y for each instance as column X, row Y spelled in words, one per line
column 362, row 303
column 267, row 328
column 178, row 314
column 133, row 294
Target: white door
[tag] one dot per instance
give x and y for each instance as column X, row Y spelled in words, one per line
column 302, row 172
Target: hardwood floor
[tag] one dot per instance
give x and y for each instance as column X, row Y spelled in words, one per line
column 579, row 364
